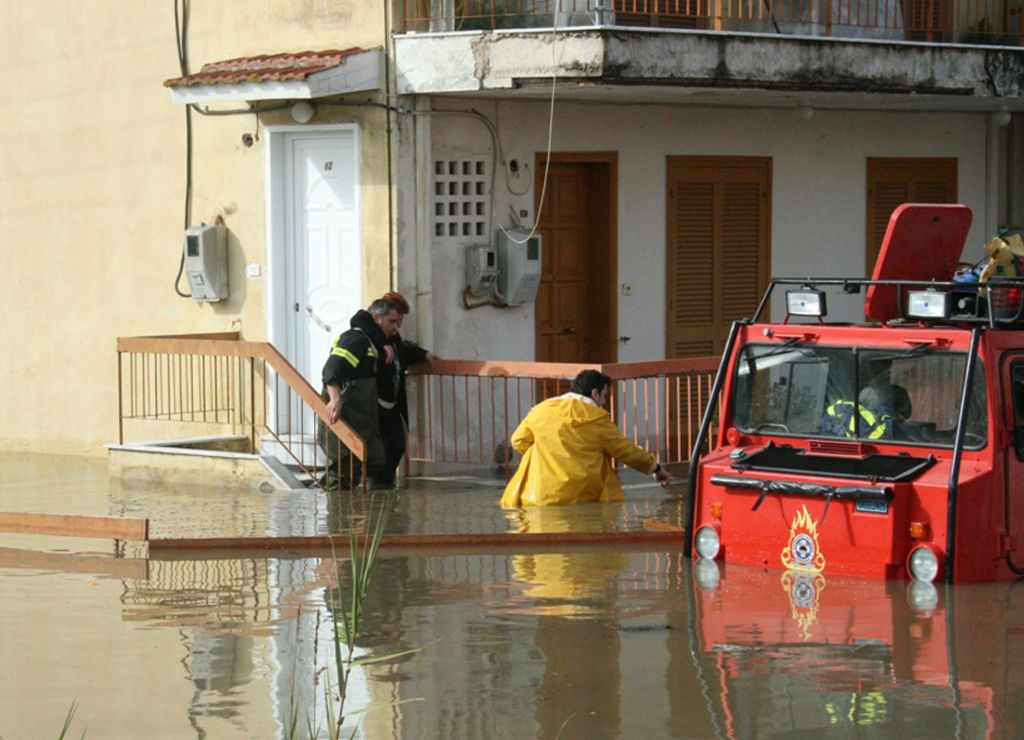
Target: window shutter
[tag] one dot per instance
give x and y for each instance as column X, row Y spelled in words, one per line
column 691, row 14
column 718, row 229
column 741, row 246
column 894, row 181
column 694, row 247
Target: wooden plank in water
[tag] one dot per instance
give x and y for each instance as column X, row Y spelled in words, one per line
column 98, row 565
column 74, row 525
column 672, row 536
column 656, row 525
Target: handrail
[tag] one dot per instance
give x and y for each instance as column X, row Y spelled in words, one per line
column 563, row 370
column 219, row 345
column 464, row 411
column 199, row 344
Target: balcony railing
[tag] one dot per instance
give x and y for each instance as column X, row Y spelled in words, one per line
column 215, row 382
column 937, row 21
column 465, row 411
column 461, row 411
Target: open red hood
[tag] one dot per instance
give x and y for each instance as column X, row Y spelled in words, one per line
column 922, row 242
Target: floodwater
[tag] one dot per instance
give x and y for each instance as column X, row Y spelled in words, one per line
column 596, row 642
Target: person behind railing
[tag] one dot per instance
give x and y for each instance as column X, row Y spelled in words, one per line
column 393, row 411
column 567, row 444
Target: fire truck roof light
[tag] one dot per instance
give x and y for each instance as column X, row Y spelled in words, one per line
column 806, row 303
column 927, row 304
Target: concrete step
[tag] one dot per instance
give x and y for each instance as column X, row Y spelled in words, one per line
column 200, row 461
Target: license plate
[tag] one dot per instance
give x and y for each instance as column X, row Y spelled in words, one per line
column 872, row 505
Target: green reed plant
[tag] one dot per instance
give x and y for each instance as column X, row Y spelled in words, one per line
column 346, row 625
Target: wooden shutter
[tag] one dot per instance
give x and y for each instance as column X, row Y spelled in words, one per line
column 927, row 20
column 894, row 181
column 718, row 248
column 662, row 13
column 692, row 270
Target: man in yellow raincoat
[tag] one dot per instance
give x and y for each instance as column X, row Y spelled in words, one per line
column 567, row 445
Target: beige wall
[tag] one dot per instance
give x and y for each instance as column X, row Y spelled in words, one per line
column 92, row 180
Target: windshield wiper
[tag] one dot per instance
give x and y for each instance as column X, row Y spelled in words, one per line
column 915, row 351
column 780, row 348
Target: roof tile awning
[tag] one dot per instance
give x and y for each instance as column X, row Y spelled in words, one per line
column 301, row 75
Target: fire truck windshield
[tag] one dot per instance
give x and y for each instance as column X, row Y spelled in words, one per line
column 866, row 394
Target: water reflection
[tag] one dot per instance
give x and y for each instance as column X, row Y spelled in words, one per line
column 592, row 642
column 848, row 655
column 587, row 644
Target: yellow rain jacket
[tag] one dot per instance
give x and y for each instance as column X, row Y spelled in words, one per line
column 567, row 444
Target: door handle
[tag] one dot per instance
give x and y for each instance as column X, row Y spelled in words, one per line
column 569, row 330
column 319, row 322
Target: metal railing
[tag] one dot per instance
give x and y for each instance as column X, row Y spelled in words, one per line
column 227, row 385
column 465, row 411
column 461, row 411
column 936, row 21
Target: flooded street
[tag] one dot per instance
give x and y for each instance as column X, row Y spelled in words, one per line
column 597, row 642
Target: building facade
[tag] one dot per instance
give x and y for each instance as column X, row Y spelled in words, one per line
column 672, row 157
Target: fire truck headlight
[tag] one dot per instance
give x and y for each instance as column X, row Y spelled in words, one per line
column 923, row 564
column 707, row 542
column 927, row 304
column 706, row 574
column 806, row 302
column 922, row 597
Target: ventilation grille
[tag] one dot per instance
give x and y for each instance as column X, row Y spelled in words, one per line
column 460, row 198
column 836, row 447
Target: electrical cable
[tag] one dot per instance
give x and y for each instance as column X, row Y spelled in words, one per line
column 392, row 257
column 551, row 127
column 181, row 39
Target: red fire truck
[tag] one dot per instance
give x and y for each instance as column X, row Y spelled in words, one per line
column 892, row 448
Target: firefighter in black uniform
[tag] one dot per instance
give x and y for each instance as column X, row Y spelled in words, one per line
column 350, row 392
column 364, row 384
column 391, row 395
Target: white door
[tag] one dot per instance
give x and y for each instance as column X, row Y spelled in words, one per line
column 314, row 261
column 322, row 249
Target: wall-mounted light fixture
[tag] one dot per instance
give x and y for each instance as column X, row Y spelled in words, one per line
column 805, row 113
column 303, row 112
column 1001, row 116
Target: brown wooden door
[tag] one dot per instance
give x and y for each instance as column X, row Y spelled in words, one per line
column 575, row 316
column 719, row 211
column 893, row 181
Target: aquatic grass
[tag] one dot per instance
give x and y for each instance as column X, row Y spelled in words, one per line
column 346, row 623
column 68, row 719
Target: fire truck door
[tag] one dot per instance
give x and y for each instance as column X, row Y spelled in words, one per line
column 1013, row 406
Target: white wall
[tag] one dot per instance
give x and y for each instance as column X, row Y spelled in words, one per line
column 818, row 197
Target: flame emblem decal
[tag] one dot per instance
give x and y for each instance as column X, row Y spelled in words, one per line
column 802, row 552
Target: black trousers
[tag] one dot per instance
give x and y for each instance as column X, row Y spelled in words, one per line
column 392, row 432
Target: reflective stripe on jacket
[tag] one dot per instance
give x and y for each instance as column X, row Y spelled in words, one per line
column 844, row 419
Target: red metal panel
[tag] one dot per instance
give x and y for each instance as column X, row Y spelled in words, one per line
column 922, row 242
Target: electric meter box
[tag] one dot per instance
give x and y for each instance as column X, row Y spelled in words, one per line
column 206, row 262
column 481, row 268
column 519, row 261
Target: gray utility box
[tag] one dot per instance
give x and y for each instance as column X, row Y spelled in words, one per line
column 206, row 262
column 481, row 268
column 519, row 263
